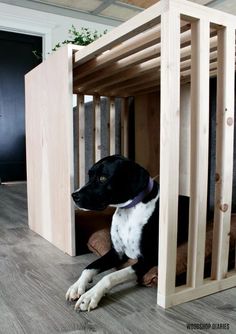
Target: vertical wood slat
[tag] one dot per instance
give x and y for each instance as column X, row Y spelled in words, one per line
column 169, row 153
column 97, row 127
column 224, row 151
column 124, row 127
column 81, row 162
column 112, row 128
column 199, row 151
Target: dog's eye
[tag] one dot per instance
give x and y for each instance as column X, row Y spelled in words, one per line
column 102, row 179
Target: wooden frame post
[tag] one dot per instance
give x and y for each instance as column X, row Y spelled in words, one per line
column 224, row 151
column 81, row 114
column 169, row 153
column 112, row 127
column 199, row 151
column 97, row 127
column 125, row 127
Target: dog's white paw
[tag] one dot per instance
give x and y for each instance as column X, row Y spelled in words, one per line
column 90, row 299
column 80, row 286
column 75, row 291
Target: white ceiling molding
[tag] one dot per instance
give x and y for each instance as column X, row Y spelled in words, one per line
column 58, row 10
column 108, row 12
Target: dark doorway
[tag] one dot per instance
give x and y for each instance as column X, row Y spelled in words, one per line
column 16, row 59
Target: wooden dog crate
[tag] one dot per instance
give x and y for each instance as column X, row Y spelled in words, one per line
column 164, row 58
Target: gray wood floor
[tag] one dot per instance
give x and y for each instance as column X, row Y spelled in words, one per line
column 34, row 277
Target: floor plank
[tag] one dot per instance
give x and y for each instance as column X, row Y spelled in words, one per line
column 34, row 276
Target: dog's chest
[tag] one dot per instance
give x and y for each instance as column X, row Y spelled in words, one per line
column 127, row 226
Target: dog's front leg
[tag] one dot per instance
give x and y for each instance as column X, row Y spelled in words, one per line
column 107, row 261
column 90, row 299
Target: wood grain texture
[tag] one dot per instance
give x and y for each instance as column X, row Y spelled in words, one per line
column 49, row 146
column 147, row 132
column 35, row 276
column 169, row 151
column 147, row 135
column 224, row 151
column 199, row 151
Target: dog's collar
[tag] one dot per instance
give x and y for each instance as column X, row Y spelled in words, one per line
column 137, row 199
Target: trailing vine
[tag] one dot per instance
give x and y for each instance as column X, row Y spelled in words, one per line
column 84, row 36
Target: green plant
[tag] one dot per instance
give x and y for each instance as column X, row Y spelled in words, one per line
column 80, row 37
column 84, row 36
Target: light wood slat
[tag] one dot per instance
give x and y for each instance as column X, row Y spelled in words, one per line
column 185, row 294
column 126, row 62
column 132, row 72
column 113, row 61
column 185, row 65
column 101, row 80
column 224, row 151
column 112, row 125
column 169, row 152
column 137, row 24
column 127, row 88
column 128, row 48
column 199, row 151
column 81, row 113
column 140, row 87
column 124, row 50
column 127, row 84
column 124, row 127
column 97, row 127
column 116, row 67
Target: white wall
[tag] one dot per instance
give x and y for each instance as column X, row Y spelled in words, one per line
column 53, row 28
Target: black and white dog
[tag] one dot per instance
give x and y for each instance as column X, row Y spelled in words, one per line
column 121, row 183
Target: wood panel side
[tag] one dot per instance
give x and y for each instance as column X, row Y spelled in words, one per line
column 49, row 146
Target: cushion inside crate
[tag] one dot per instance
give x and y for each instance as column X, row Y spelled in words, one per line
column 95, row 226
column 99, row 242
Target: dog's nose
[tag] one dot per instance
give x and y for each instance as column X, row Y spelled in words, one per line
column 75, row 196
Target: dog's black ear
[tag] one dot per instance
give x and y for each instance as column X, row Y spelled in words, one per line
column 137, row 177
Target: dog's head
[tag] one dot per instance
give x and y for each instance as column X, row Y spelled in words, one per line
column 113, row 180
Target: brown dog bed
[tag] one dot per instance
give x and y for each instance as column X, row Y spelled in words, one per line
column 99, row 243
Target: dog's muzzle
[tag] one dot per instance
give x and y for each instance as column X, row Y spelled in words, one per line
column 86, row 201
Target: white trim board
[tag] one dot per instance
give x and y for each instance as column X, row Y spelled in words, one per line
column 52, row 28
column 10, row 21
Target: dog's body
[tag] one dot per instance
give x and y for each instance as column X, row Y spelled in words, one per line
column 117, row 181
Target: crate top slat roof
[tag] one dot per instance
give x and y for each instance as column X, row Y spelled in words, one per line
column 127, row 60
